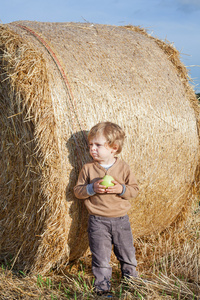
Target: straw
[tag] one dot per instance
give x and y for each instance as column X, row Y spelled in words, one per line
column 57, row 81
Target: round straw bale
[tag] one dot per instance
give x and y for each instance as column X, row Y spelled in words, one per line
column 57, row 81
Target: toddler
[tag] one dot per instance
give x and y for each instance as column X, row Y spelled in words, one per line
column 108, row 206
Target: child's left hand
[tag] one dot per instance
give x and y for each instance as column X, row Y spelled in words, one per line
column 117, row 188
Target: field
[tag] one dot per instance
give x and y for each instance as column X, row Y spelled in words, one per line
column 168, row 265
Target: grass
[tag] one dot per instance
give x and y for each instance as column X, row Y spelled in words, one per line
column 168, row 264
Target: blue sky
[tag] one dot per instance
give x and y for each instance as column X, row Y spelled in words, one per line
column 177, row 21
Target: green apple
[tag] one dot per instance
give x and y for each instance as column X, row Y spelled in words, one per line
column 107, row 181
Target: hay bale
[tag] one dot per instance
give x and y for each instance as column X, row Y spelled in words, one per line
column 57, row 81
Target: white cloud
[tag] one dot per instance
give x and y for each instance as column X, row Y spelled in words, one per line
column 190, row 2
column 189, row 5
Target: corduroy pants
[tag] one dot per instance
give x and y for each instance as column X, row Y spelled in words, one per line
column 104, row 232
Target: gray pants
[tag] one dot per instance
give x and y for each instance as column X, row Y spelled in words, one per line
column 104, row 232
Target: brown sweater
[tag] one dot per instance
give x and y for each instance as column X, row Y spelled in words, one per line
column 107, row 205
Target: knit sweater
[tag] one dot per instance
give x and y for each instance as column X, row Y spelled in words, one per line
column 107, row 205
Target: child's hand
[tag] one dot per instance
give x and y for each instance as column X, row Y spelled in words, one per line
column 117, row 188
column 99, row 188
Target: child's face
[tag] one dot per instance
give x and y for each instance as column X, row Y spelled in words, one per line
column 100, row 151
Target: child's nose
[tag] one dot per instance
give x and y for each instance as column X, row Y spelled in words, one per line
column 93, row 147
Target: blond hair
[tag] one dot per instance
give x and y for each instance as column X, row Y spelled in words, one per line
column 112, row 132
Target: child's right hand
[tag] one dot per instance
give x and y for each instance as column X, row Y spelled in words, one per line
column 99, row 188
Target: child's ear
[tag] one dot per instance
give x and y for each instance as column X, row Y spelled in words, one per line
column 115, row 148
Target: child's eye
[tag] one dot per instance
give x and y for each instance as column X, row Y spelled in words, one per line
column 97, row 145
